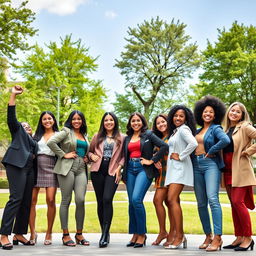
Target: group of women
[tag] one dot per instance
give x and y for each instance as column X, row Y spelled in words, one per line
column 174, row 154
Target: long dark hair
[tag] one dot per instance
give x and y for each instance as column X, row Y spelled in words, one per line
column 68, row 123
column 144, row 123
column 189, row 119
column 40, row 130
column 154, row 128
column 102, row 131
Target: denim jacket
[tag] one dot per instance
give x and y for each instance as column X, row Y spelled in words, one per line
column 215, row 139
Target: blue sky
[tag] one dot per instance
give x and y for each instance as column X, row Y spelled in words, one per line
column 103, row 24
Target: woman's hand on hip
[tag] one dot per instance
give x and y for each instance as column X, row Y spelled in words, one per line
column 144, row 161
column 94, row 157
column 70, row 155
column 158, row 165
column 175, row 156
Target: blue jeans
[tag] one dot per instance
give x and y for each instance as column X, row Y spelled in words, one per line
column 137, row 185
column 206, row 185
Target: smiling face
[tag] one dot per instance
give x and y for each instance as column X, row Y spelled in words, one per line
column 136, row 123
column 109, row 123
column 27, row 128
column 235, row 114
column 208, row 114
column 47, row 121
column 161, row 124
column 76, row 121
column 179, row 117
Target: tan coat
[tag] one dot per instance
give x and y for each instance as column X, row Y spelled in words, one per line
column 242, row 169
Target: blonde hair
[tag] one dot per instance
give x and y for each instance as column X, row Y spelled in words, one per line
column 245, row 115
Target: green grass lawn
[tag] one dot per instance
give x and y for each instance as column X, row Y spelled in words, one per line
column 192, row 223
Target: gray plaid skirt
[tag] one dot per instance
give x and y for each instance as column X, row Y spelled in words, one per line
column 45, row 176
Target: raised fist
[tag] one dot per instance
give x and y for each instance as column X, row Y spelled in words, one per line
column 17, row 89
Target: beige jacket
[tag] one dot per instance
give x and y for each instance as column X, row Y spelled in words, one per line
column 242, row 169
column 61, row 143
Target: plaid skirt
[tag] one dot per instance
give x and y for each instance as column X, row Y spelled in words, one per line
column 45, row 176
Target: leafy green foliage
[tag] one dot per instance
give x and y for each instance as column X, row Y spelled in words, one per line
column 66, row 68
column 15, row 27
column 230, row 67
column 157, row 59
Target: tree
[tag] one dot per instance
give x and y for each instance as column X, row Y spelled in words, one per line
column 124, row 105
column 65, row 68
column 15, row 27
column 230, row 67
column 157, row 59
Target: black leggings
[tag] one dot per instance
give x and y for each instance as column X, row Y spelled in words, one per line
column 105, row 188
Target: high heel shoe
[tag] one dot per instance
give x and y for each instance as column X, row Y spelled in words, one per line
column 172, row 246
column 230, row 246
column 139, row 245
column 130, row 244
column 214, row 248
column 7, row 246
column 16, row 241
column 251, row 245
column 205, row 245
column 82, row 241
column 159, row 239
column 33, row 241
column 69, row 242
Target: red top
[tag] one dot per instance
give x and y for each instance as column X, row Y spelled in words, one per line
column 134, row 149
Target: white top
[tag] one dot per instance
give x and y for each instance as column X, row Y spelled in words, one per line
column 43, row 149
column 184, row 143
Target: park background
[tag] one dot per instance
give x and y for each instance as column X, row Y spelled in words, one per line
column 125, row 56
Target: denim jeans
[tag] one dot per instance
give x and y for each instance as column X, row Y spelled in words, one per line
column 137, row 185
column 206, row 185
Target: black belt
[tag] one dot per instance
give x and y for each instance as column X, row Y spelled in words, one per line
column 135, row 159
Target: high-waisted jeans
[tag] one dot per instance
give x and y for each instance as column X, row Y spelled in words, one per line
column 206, row 185
column 137, row 185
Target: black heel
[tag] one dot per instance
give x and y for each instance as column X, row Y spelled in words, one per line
column 104, row 240
column 16, row 241
column 138, row 245
column 82, row 241
column 7, row 246
column 251, row 245
column 69, row 242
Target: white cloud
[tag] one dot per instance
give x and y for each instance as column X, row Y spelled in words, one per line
column 60, row 7
column 110, row 14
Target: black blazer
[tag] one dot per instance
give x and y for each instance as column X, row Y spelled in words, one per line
column 22, row 144
column 148, row 141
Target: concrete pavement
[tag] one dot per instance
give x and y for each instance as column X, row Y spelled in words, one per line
column 116, row 247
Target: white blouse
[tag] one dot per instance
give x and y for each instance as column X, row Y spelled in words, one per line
column 43, row 149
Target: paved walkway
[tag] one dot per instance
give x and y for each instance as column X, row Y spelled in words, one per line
column 116, row 247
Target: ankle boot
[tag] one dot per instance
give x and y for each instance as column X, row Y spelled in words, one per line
column 104, row 240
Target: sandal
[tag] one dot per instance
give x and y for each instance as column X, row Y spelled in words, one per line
column 69, row 242
column 82, row 241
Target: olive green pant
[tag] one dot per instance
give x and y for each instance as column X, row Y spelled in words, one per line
column 76, row 180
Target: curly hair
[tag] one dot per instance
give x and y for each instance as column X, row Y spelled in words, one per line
column 214, row 102
column 189, row 119
column 154, row 128
column 143, row 120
